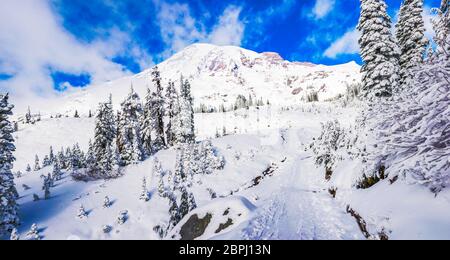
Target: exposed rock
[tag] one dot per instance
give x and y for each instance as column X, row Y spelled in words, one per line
column 195, row 227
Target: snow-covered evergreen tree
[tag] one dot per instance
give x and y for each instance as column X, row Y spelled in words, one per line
column 37, row 165
column 145, row 196
column 411, row 38
column 82, row 214
column 123, row 217
column 157, row 110
column 56, row 173
column 68, row 157
column 411, row 131
column 105, row 132
column 157, row 168
column 153, row 119
column 180, row 168
column 51, row 155
column 129, row 142
column 174, row 212
column 379, row 51
column 14, row 235
column 191, row 202
column 187, row 202
column 46, row 162
column 76, row 160
column 106, row 202
column 90, row 157
column 162, row 191
column 147, row 125
column 9, row 217
column 28, row 117
column 185, row 120
column 108, row 164
column 171, row 112
column 209, row 159
column 28, row 169
column 33, row 234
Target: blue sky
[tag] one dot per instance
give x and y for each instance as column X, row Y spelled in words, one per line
column 60, row 44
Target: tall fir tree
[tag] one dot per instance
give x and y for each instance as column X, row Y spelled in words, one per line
column 146, row 124
column 46, row 162
column 62, row 159
column 185, row 119
column 411, row 38
column 105, row 132
column 9, row 218
column 76, row 160
column 158, row 109
column 174, row 212
column 172, row 110
column 28, row 116
column 379, row 51
column 56, row 173
column 37, row 165
column 51, row 155
column 129, row 140
column 90, row 159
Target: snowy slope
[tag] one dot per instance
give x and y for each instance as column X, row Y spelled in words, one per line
column 218, row 75
column 247, row 156
column 292, row 202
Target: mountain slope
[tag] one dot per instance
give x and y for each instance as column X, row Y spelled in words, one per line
column 218, row 75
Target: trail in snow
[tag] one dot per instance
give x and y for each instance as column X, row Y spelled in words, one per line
column 301, row 209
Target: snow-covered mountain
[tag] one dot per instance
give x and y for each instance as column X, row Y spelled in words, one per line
column 218, row 75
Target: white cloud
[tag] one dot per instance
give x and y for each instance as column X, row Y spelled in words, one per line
column 229, row 30
column 32, row 40
column 179, row 28
column 322, row 8
column 347, row 44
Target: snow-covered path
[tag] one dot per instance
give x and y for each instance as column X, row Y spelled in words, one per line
column 300, row 208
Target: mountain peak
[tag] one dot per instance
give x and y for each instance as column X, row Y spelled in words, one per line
column 220, row 74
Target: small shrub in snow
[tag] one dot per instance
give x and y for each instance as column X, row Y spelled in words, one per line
column 33, row 234
column 123, row 217
column 237, row 155
column 161, row 231
column 106, row 202
column 327, row 145
column 335, row 143
column 18, row 174
column 14, row 235
column 36, row 197
column 212, row 193
column 82, row 214
column 106, row 229
column 333, row 191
